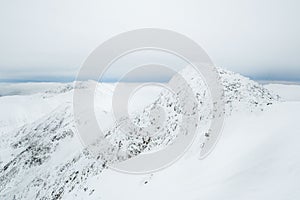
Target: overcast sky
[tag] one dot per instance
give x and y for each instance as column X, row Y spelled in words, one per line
column 48, row 40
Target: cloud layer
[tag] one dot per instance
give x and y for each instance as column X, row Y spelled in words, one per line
column 49, row 40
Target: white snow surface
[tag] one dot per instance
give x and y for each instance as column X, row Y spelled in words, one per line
column 257, row 156
column 286, row 91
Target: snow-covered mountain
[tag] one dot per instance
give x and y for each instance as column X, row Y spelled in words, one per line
column 42, row 158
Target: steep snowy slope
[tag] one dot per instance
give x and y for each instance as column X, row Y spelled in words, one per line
column 24, row 109
column 33, row 101
column 256, row 158
column 45, row 160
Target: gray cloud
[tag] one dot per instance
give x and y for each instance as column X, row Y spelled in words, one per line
column 259, row 38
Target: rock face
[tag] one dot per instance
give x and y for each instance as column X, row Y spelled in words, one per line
column 45, row 159
column 243, row 92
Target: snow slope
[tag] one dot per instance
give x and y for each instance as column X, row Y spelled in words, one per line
column 287, row 92
column 256, row 157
